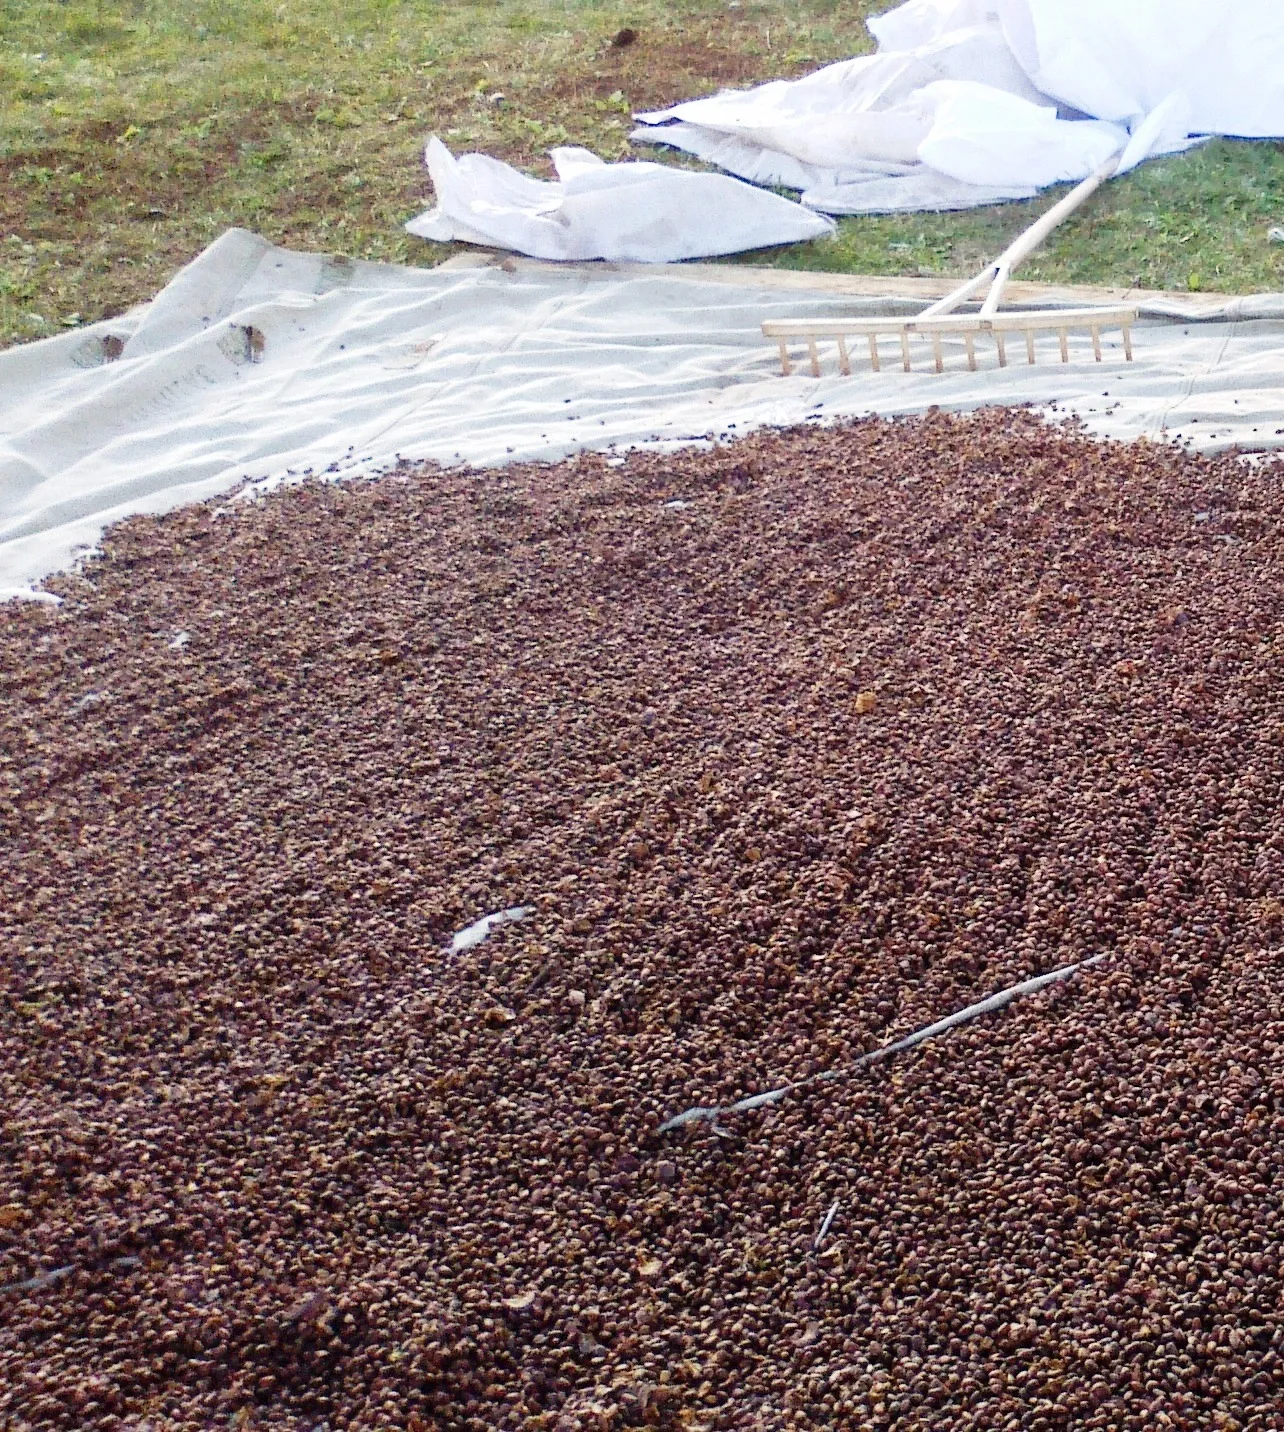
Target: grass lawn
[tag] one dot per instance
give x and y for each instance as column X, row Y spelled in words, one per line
column 131, row 134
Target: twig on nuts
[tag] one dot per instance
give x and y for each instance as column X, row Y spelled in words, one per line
column 41, row 1280
column 825, row 1226
column 306, row 1309
column 56, row 1275
column 706, row 1114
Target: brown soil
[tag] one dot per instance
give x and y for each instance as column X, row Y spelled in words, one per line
column 661, row 69
column 792, row 746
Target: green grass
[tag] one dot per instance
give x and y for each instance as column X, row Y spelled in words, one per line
column 131, row 134
column 1195, row 221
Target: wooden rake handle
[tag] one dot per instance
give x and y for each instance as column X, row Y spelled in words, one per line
column 1020, row 249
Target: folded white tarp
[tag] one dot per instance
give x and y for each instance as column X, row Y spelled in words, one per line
column 627, row 213
column 258, row 363
column 975, row 101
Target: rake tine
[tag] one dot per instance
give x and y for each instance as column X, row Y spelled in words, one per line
column 814, row 355
column 844, row 363
column 958, row 328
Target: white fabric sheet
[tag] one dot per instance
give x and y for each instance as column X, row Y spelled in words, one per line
column 983, row 100
column 629, row 213
column 1119, row 59
column 258, row 363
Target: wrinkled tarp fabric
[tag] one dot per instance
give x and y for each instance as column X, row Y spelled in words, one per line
column 626, row 213
column 259, row 363
column 1119, row 61
column 978, row 101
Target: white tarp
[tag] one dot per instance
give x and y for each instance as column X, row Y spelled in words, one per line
column 256, row 362
column 975, row 101
column 626, row 213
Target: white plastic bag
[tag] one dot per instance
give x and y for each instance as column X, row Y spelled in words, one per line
column 629, row 213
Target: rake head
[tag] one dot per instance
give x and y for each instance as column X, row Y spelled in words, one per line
column 942, row 320
column 938, row 328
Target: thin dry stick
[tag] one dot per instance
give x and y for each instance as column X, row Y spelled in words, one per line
column 56, row 1275
column 42, row 1280
column 825, row 1226
column 711, row 1114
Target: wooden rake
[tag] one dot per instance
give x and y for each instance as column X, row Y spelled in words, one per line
column 940, row 320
